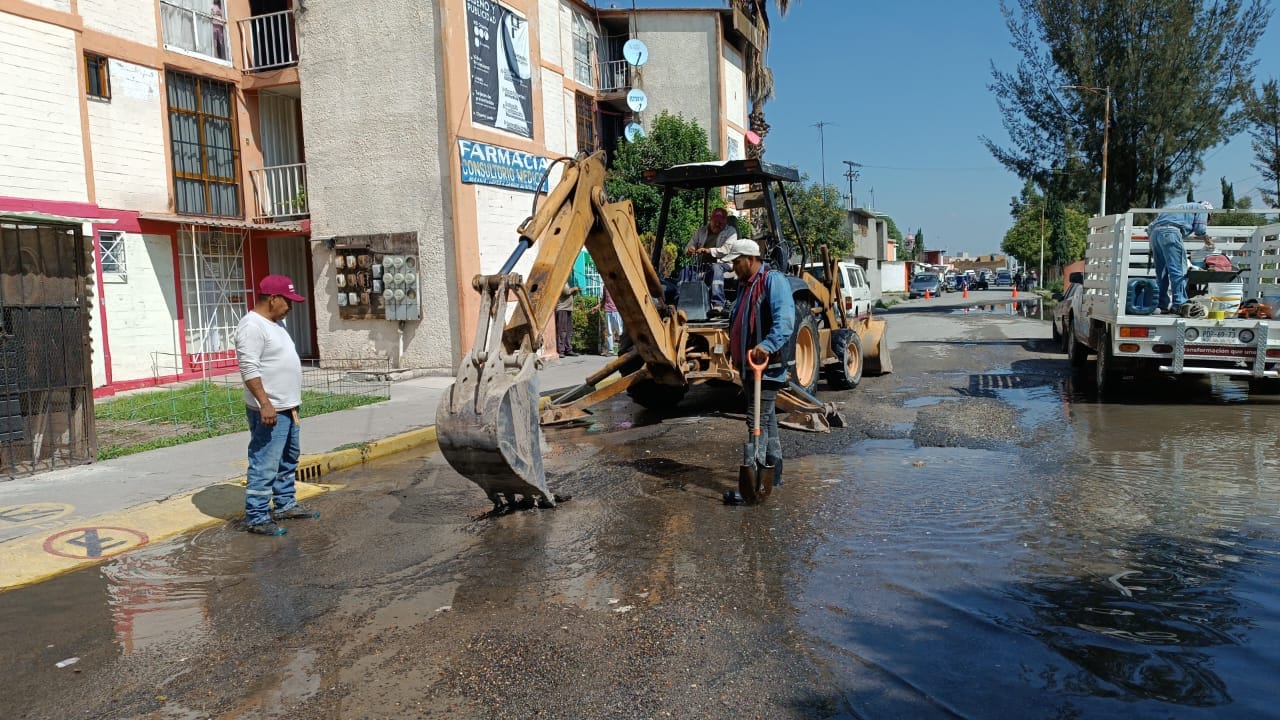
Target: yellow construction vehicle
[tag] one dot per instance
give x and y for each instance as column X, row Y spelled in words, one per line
column 489, row 423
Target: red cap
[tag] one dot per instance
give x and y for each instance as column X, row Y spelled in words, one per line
column 279, row 285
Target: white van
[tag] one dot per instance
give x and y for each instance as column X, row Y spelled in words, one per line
column 855, row 291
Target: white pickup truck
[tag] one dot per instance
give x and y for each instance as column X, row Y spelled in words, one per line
column 1104, row 320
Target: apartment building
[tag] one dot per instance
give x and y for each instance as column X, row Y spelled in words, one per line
column 172, row 128
column 427, row 133
column 175, row 129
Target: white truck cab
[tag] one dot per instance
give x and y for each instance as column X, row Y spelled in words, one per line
column 855, row 291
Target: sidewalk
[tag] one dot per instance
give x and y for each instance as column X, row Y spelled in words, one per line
column 57, row 521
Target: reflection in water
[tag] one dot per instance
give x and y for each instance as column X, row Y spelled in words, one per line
column 1125, row 567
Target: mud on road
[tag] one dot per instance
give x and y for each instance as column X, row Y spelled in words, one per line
column 643, row 597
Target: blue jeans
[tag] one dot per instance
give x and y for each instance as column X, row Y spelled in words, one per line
column 1170, row 259
column 612, row 330
column 715, row 276
column 273, row 465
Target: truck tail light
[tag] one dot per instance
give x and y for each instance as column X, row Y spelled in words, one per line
column 1135, row 332
column 1128, row 347
column 848, row 304
column 1162, row 348
column 1273, row 353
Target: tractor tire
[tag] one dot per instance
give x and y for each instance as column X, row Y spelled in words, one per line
column 846, row 372
column 653, row 395
column 808, row 354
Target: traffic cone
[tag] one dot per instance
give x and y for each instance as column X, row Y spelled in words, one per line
column 1015, row 291
column 966, row 292
column 927, row 295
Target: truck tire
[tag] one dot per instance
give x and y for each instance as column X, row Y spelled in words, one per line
column 1057, row 335
column 1077, row 354
column 808, row 352
column 1264, row 386
column 1106, row 375
column 846, row 372
column 653, row 395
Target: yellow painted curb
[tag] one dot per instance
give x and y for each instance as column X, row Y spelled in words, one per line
column 36, row 558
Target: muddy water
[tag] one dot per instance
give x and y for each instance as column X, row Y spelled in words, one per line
column 1127, row 567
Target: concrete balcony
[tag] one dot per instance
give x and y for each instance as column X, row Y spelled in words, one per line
column 281, row 192
column 270, row 41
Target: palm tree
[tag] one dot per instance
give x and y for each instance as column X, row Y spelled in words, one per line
column 759, row 76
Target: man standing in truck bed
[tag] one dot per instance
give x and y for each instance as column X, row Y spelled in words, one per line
column 1169, row 255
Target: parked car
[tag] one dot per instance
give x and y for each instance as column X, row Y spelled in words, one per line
column 855, row 291
column 923, row 282
column 1068, row 306
column 1004, row 278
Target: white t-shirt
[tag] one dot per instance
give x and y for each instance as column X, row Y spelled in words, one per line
column 265, row 350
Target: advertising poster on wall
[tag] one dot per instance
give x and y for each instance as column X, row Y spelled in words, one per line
column 501, row 71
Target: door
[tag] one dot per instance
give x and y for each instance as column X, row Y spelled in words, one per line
column 288, row 256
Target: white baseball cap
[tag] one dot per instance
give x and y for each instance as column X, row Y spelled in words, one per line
column 1206, row 204
column 738, row 248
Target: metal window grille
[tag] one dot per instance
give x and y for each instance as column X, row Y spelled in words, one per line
column 592, row 283
column 206, row 157
column 584, row 41
column 46, row 398
column 213, row 292
column 586, row 122
column 111, row 248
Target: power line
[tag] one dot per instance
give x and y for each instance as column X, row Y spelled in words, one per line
column 822, row 144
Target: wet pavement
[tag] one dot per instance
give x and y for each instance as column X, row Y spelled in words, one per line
column 984, row 540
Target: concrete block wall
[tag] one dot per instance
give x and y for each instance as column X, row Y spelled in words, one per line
column 142, row 307
column 129, row 170
column 683, row 71
column 41, row 147
column 129, row 19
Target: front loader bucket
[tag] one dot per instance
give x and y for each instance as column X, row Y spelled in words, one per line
column 487, row 427
column 875, row 347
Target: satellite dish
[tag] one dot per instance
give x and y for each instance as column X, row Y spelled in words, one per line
column 637, row 100
column 635, row 52
column 633, row 132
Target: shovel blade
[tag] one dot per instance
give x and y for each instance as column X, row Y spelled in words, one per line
column 747, row 484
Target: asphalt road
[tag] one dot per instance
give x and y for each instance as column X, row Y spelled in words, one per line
column 870, row 585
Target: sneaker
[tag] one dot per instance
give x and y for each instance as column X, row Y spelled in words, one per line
column 296, row 512
column 266, row 528
column 1192, row 310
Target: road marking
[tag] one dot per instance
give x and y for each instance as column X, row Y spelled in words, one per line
column 15, row 515
column 92, row 543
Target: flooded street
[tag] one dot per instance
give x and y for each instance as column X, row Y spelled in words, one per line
column 984, row 540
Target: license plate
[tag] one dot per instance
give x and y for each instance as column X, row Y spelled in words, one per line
column 1218, row 335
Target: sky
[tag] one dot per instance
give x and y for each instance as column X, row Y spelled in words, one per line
column 903, row 84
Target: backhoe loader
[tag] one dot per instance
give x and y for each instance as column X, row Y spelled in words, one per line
column 489, row 422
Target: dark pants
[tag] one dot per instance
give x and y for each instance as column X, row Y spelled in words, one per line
column 715, row 278
column 564, row 331
column 768, row 424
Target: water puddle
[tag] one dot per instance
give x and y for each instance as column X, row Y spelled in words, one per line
column 1015, row 308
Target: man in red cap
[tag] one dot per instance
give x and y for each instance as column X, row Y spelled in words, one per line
column 272, row 374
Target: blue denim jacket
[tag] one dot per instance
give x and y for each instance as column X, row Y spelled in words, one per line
column 1190, row 223
column 777, row 324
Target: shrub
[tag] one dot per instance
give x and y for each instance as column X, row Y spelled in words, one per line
column 586, row 324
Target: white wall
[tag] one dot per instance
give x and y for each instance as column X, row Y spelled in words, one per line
column 41, row 153
column 549, row 30
column 129, row 19
column 129, row 170
column 63, row 5
column 141, row 308
column 570, row 124
column 554, row 126
column 683, row 71
column 378, row 163
column 735, row 88
column 893, row 277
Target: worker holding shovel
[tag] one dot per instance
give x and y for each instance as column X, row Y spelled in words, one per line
column 761, row 325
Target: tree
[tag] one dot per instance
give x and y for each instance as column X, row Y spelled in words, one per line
column 759, row 76
column 1065, row 233
column 1263, row 114
column 1178, row 71
column 919, row 249
column 672, row 140
column 1235, row 218
column 894, row 233
column 1228, row 194
column 820, row 218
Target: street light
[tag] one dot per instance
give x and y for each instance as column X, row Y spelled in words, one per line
column 822, row 145
column 1106, row 135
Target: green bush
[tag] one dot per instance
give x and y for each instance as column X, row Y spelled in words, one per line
column 586, row 324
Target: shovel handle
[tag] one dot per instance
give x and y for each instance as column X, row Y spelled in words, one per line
column 757, row 367
column 759, row 370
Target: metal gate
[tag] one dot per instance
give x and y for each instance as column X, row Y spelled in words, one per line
column 213, row 293
column 46, row 394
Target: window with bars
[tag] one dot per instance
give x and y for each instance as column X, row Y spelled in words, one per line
column 111, row 252
column 213, row 290
column 584, row 42
column 202, row 138
column 97, row 77
column 586, row 122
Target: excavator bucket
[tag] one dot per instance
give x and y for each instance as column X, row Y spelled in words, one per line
column 487, row 422
column 875, row 347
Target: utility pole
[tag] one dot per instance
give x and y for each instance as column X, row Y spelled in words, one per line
column 851, row 174
column 822, row 146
